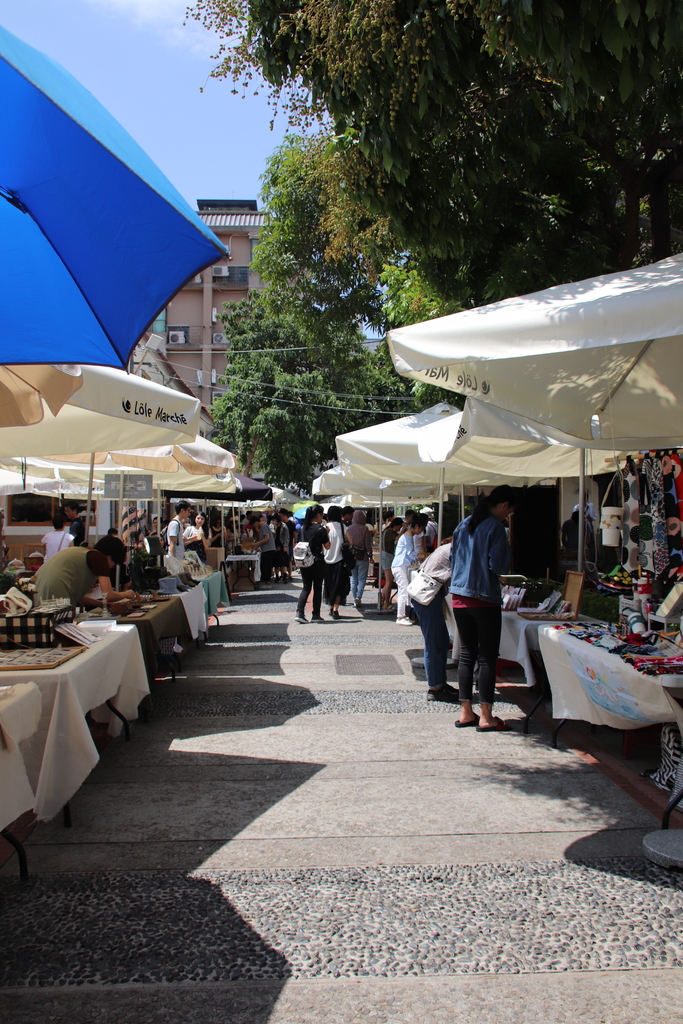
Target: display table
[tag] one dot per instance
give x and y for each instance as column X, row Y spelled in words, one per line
column 166, row 619
column 61, row 753
column 194, row 603
column 253, row 562
column 215, row 594
column 592, row 685
column 19, row 720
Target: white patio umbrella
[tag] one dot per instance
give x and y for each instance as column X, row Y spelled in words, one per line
column 111, row 409
column 600, row 360
column 200, row 457
column 26, row 391
column 371, row 492
column 428, row 448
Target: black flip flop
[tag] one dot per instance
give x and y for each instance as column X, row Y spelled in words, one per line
column 466, row 725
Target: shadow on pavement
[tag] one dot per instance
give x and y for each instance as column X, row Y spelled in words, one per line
column 130, row 927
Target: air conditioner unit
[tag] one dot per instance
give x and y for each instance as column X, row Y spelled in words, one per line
column 176, row 336
column 200, row 378
column 219, row 339
column 220, row 271
column 214, row 376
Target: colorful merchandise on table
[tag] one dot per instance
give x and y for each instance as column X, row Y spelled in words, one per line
column 651, row 654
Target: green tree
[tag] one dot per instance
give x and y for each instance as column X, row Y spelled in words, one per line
column 286, row 399
column 495, row 136
column 320, row 251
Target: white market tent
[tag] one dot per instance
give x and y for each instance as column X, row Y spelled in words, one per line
column 599, row 360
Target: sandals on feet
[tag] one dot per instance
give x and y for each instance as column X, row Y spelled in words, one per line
column 498, row 726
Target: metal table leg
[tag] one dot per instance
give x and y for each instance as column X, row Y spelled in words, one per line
column 126, row 724
column 556, row 731
column 21, row 853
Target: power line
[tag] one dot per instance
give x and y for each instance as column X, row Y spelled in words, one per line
column 322, row 391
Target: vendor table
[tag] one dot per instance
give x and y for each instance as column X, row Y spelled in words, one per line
column 590, row 684
column 61, row 753
column 168, row 618
column 194, row 603
column 19, row 719
column 254, row 559
column 215, row 593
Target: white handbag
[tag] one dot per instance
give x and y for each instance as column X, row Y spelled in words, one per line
column 423, row 588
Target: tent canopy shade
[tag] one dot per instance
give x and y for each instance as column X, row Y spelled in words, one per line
column 599, row 360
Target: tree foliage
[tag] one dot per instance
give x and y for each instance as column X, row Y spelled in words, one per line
column 470, row 124
column 286, row 400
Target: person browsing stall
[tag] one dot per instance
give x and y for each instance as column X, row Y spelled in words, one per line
column 405, row 556
column 480, row 555
column 74, row 571
column 176, row 530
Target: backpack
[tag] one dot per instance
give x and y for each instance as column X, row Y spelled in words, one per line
column 302, row 555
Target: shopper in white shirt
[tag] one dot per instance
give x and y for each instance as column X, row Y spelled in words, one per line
column 405, row 555
column 337, row 581
column 60, row 538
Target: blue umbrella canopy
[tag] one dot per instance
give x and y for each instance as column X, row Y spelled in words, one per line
column 95, row 240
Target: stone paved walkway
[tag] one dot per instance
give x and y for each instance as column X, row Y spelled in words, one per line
column 288, row 843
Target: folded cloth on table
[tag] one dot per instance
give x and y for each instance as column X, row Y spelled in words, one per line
column 17, row 603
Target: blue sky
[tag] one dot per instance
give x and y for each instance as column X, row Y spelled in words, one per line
column 139, row 61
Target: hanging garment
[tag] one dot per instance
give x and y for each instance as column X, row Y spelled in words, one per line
column 631, row 527
column 646, row 545
column 673, row 493
column 652, row 471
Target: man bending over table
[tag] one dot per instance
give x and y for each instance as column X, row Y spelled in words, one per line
column 74, row 571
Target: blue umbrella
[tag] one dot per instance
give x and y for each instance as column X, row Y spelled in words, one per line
column 94, row 239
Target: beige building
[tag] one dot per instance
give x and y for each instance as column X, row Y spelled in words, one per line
column 193, row 341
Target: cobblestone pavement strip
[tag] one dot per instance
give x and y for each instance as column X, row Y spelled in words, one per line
column 224, row 926
column 272, row 851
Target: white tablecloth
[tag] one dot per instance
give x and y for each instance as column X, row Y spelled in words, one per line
column 19, row 719
column 592, row 685
column 194, row 603
column 61, row 754
column 255, row 558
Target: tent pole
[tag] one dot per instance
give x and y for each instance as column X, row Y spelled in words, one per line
column 118, row 567
column 462, row 502
column 582, row 509
column 379, row 568
column 89, row 504
column 442, row 475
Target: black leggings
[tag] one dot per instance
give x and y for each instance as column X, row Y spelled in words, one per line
column 479, row 630
column 312, row 577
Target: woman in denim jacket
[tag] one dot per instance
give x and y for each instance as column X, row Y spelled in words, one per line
column 480, row 554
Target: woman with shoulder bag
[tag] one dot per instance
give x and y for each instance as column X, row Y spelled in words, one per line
column 433, row 625
column 405, row 556
column 360, row 539
column 314, row 534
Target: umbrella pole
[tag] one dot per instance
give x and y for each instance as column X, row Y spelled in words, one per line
column 118, row 567
column 442, row 475
column 379, row 568
column 88, row 508
column 582, row 509
column 462, row 502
